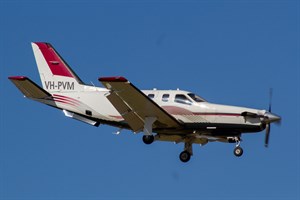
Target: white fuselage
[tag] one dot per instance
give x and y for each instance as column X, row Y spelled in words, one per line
column 200, row 115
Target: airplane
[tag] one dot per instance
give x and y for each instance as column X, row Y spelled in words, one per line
column 160, row 115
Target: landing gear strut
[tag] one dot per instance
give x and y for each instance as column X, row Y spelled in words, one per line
column 185, row 156
column 148, row 138
column 238, row 151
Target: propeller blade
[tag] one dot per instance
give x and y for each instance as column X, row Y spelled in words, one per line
column 270, row 99
column 268, row 129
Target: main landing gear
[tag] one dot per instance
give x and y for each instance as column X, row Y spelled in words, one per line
column 185, row 156
column 148, row 139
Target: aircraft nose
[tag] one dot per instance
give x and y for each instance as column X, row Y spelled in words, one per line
column 271, row 117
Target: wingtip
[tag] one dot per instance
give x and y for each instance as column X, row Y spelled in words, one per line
column 113, row 79
column 18, row 78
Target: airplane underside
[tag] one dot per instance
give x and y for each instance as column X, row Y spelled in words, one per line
column 194, row 133
column 198, row 133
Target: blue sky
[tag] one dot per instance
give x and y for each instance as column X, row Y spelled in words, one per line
column 229, row 52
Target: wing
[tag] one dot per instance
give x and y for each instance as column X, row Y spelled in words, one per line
column 29, row 88
column 135, row 107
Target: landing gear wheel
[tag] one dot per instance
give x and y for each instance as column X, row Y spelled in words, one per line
column 185, row 156
column 238, row 151
column 148, row 139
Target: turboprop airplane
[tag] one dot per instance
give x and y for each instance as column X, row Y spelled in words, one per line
column 161, row 115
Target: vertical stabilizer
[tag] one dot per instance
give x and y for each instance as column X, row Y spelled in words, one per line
column 56, row 75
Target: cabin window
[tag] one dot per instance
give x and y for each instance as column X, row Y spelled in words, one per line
column 151, row 96
column 165, row 97
column 180, row 98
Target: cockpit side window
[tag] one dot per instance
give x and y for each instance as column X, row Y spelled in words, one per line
column 196, row 97
column 181, row 98
column 165, row 97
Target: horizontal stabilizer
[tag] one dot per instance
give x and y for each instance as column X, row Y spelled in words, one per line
column 81, row 118
column 29, row 88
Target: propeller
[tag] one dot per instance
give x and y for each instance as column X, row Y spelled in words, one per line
column 266, row 117
column 268, row 125
column 269, row 118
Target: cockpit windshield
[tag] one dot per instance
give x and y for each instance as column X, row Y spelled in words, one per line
column 196, row 97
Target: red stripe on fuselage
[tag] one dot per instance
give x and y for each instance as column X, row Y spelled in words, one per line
column 65, row 102
column 219, row 114
column 66, row 98
column 117, row 117
column 174, row 110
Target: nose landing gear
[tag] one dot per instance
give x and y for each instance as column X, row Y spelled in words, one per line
column 238, row 151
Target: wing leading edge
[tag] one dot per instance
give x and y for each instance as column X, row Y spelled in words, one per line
column 135, row 107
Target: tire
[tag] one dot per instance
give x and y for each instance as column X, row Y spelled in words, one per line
column 238, row 151
column 185, row 156
column 148, row 139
